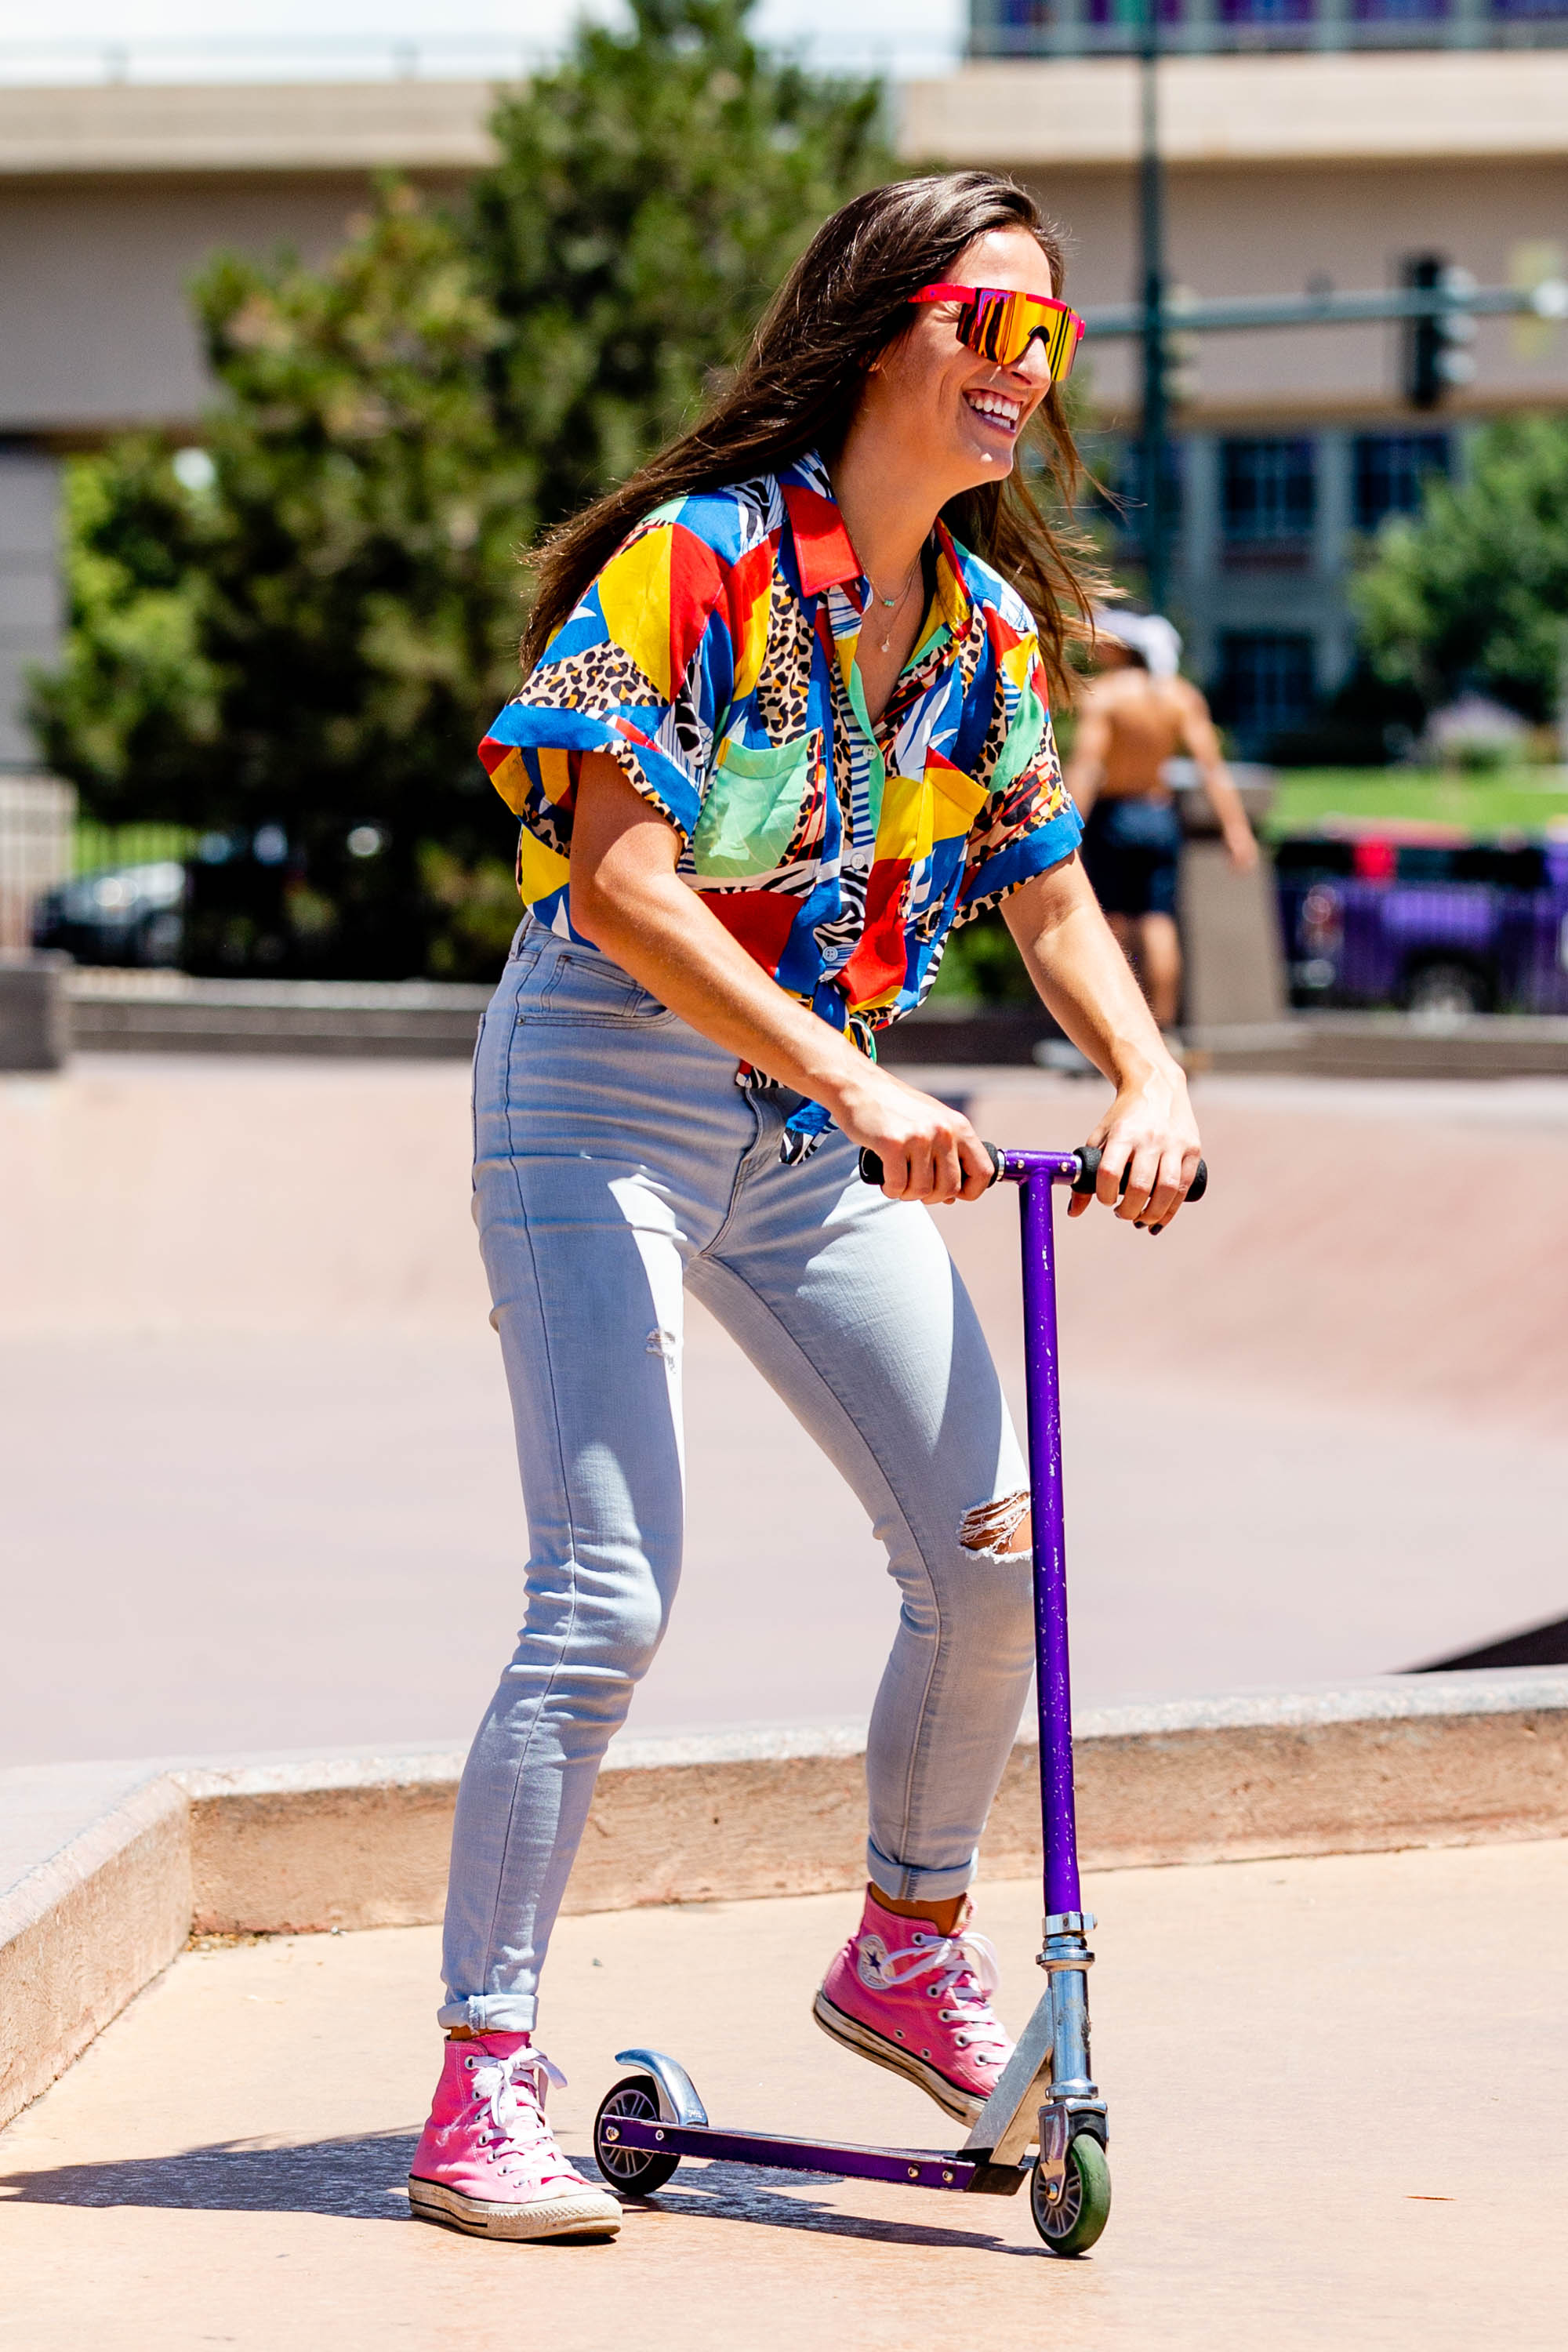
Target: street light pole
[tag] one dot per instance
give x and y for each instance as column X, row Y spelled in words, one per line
column 1152, row 225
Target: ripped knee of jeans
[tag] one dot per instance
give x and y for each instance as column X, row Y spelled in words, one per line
column 1001, row 1529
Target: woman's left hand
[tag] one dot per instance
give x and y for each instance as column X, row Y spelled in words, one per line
column 1150, row 1131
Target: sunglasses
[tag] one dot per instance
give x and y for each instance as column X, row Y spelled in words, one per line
column 999, row 323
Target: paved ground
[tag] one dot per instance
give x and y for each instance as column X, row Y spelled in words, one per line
column 1336, row 2093
column 257, row 1469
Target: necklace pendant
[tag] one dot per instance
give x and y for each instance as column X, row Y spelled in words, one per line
column 886, row 644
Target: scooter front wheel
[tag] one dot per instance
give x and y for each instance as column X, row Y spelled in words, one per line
column 634, row 2171
column 1072, row 2224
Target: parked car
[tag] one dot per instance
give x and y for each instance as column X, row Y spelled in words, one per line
column 1424, row 918
column 240, row 905
column 121, row 915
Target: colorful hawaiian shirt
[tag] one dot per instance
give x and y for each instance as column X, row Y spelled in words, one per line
column 714, row 659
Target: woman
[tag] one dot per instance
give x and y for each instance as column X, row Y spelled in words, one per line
column 782, row 728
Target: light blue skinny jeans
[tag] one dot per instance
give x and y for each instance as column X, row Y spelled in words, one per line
column 616, row 1165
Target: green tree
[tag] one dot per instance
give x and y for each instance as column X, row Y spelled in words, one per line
column 133, row 700
column 1474, row 592
column 647, row 199
column 315, row 636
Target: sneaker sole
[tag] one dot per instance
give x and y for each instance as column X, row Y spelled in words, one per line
column 580, row 2215
column 962, row 2106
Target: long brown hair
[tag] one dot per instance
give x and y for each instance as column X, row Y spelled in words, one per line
column 845, row 300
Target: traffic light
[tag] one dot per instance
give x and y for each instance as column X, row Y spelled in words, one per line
column 1436, row 348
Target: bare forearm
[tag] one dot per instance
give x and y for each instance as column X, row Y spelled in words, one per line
column 661, row 933
column 1223, row 798
column 1082, row 975
column 1149, row 1138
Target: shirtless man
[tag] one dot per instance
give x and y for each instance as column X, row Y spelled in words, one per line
column 1136, row 714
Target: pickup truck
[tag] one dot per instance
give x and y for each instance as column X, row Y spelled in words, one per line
column 1426, row 918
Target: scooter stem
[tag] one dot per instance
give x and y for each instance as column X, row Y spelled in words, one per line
column 1053, row 1686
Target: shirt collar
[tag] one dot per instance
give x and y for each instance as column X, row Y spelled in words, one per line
column 824, row 554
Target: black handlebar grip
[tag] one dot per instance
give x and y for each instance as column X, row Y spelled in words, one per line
column 871, row 1167
column 1088, row 1171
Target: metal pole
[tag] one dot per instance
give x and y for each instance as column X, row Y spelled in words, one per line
column 1053, row 1686
column 1151, row 229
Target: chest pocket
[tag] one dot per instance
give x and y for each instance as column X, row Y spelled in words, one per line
column 765, row 808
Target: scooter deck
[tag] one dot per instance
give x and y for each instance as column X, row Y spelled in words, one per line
column 971, row 2174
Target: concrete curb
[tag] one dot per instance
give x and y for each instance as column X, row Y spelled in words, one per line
column 166, row 1011
column 85, row 1930
column 169, row 1012
column 358, row 1839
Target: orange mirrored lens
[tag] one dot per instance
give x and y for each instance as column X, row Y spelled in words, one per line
column 999, row 325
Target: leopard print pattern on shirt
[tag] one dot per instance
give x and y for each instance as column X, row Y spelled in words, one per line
column 783, row 687
column 1030, row 801
column 599, row 680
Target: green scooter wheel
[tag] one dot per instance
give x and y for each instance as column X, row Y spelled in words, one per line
column 1072, row 2224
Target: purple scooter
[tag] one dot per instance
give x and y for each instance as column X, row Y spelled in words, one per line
column 1045, row 2123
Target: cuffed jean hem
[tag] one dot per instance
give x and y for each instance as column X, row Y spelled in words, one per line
column 490, row 2012
column 906, row 1883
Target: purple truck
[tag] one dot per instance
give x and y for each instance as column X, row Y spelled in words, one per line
column 1426, row 918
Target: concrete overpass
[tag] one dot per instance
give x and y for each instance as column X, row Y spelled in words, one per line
column 1285, row 171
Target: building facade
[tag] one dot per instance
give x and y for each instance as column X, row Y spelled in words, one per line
column 1310, row 146
column 1309, row 143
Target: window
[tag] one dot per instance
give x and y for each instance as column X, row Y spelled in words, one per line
column 1400, row 12
column 1265, row 681
column 1390, row 471
column 1127, row 11
column 1268, row 500
column 1265, row 12
column 1121, row 469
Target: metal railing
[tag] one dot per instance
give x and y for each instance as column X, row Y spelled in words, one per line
column 1547, row 300
column 1077, row 28
column 433, row 56
column 870, row 41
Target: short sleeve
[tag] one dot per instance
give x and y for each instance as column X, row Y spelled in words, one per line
column 1026, row 823
column 643, row 671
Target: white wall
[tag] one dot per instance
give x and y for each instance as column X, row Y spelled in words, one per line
column 30, row 595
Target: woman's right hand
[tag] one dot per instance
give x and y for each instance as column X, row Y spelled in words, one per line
column 928, row 1151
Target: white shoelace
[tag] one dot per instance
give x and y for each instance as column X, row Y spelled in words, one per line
column 519, row 2121
column 957, row 1957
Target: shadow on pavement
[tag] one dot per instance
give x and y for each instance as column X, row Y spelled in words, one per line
column 362, row 2178
column 738, row 2192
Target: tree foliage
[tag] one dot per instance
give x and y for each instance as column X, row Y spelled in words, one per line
column 1474, row 592
column 315, row 637
column 134, row 697
column 647, row 200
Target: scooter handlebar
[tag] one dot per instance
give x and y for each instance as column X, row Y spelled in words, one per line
column 871, row 1167
column 1089, row 1157
column 1084, row 1181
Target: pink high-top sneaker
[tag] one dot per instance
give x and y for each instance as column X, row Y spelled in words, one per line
column 487, row 2160
column 918, row 2003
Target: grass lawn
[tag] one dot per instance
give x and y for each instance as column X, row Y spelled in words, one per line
column 96, row 846
column 1513, row 800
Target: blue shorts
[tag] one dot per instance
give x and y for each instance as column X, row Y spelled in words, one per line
column 1131, row 852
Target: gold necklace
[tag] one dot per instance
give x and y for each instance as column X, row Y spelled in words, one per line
column 893, row 603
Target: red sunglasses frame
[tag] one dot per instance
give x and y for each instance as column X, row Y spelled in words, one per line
column 980, row 306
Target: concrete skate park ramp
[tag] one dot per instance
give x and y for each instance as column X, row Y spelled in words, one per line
column 247, row 1387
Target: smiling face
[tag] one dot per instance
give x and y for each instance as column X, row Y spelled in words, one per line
column 954, row 417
